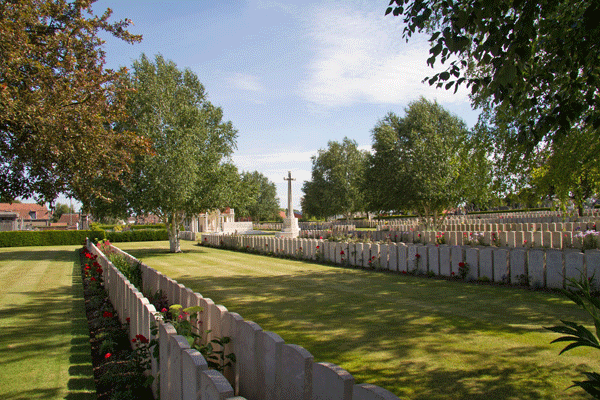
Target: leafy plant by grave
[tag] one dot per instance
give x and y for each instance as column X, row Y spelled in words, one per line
column 463, row 270
column 581, row 293
column 186, row 322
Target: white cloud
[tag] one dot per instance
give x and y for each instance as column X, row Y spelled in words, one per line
column 250, row 162
column 246, row 82
column 361, row 57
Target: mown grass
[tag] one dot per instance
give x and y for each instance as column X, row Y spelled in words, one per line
column 419, row 338
column 44, row 337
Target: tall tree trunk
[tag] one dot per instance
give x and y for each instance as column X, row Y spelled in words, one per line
column 174, row 245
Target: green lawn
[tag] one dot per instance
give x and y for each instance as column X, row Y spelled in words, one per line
column 420, row 338
column 44, row 339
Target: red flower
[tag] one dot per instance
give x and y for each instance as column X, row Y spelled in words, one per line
column 461, row 264
column 96, row 264
column 99, row 270
column 163, row 310
column 452, row 273
column 107, row 314
column 87, row 267
column 107, row 355
column 93, row 278
column 317, row 247
column 404, row 272
column 342, row 252
column 418, row 255
column 141, row 338
column 128, row 319
column 320, row 237
column 205, row 239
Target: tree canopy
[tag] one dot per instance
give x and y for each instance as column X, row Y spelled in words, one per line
column 534, row 60
column 58, row 104
column 187, row 172
column 259, row 197
column 417, row 161
column 336, row 181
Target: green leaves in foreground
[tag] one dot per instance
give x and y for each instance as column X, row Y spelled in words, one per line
column 581, row 294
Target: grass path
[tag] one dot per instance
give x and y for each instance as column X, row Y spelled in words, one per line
column 44, row 338
column 419, row 338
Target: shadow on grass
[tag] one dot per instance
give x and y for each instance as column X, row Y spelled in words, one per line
column 373, row 323
column 335, row 315
column 41, row 325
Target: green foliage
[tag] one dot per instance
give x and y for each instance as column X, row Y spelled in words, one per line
column 418, row 161
column 536, row 62
column 59, row 210
column 186, row 173
column 336, row 182
column 581, row 293
column 143, row 235
column 47, row 238
column 149, row 226
column 58, row 103
column 257, row 197
column 185, row 320
column 132, row 272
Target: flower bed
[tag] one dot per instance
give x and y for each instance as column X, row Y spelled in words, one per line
column 118, row 368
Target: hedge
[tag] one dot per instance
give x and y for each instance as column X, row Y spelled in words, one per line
column 144, row 235
column 56, row 237
column 48, row 238
column 151, row 226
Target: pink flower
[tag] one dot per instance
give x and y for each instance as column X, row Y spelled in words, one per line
column 163, row 310
column 320, row 237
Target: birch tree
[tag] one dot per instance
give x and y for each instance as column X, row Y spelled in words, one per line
column 187, row 172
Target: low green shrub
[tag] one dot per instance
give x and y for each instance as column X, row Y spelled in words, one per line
column 142, row 235
column 48, row 238
column 150, row 226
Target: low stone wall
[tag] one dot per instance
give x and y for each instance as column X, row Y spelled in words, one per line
column 541, row 268
column 266, row 367
column 237, row 227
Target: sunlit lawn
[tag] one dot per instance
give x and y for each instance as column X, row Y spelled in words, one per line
column 44, row 338
column 419, row 338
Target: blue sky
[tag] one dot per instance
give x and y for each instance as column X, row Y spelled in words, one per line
column 289, row 75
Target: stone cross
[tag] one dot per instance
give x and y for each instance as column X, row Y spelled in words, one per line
column 290, row 208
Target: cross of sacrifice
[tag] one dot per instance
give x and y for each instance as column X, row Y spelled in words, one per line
column 290, row 208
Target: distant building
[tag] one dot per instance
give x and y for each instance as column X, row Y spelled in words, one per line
column 211, row 221
column 23, row 216
column 75, row 221
column 148, row 219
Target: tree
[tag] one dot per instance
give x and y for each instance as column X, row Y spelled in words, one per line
column 260, row 199
column 336, row 181
column 418, row 161
column 569, row 169
column 186, row 173
column 60, row 209
column 58, row 104
column 535, row 61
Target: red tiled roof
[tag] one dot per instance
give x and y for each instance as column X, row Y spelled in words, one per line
column 23, row 210
column 69, row 219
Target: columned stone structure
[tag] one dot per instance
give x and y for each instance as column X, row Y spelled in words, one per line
column 290, row 224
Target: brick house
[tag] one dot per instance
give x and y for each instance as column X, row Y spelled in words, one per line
column 23, row 216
